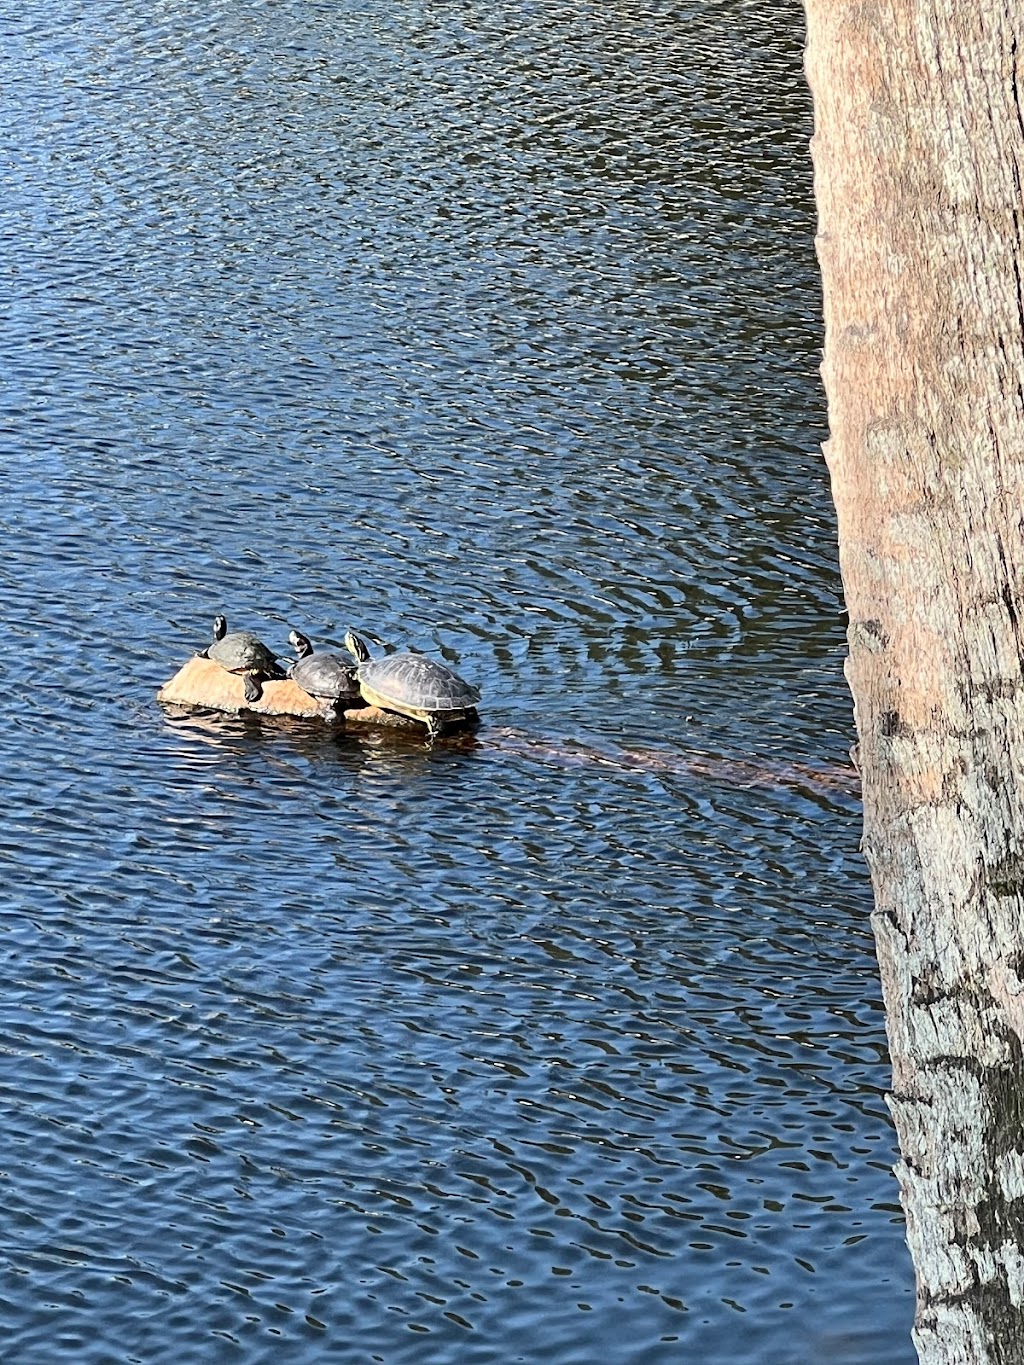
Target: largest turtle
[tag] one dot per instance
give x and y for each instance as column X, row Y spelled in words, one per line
column 413, row 685
column 239, row 651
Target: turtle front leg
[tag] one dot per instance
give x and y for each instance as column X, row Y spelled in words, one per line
column 253, row 686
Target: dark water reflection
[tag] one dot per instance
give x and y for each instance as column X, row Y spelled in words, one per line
column 492, row 331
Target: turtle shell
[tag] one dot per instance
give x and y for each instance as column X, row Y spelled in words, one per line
column 240, row 651
column 325, row 676
column 415, row 686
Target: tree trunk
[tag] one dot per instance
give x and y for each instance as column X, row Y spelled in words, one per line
column 919, row 160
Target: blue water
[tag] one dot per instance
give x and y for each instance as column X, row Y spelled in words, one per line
column 493, row 332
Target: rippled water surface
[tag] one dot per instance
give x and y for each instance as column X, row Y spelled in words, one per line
column 491, row 330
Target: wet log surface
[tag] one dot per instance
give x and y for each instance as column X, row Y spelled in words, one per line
column 204, row 684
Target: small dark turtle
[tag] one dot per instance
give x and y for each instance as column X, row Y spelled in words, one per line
column 326, row 677
column 241, row 652
column 413, row 686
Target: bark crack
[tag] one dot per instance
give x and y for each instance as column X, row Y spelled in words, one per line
column 1007, row 590
column 1015, row 85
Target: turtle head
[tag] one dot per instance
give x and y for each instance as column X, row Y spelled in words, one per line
column 220, row 627
column 300, row 643
column 356, row 646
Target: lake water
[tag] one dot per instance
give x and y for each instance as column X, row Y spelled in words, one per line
column 492, row 331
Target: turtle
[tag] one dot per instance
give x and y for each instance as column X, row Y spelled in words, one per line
column 325, row 676
column 412, row 685
column 241, row 652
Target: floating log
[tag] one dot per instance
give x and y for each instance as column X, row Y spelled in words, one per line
column 203, row 683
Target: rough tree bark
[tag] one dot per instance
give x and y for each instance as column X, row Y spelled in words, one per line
column 918, row 155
